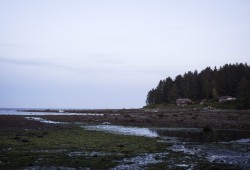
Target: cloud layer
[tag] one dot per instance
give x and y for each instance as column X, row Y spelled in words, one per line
column 111, row 53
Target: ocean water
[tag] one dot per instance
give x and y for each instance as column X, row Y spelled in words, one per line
column 17, row 111
column 9, row 111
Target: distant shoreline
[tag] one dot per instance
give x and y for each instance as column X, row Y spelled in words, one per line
column 214, row 119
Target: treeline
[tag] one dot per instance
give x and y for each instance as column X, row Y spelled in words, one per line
column 229, row 80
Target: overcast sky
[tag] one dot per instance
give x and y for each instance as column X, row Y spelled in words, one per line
column 110, row 53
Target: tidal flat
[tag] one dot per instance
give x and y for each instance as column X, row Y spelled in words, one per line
column 37, row 142
column 30, row 144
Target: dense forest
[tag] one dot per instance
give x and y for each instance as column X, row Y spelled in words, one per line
column 229, row 80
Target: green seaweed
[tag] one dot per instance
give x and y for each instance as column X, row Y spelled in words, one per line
column 52, row 148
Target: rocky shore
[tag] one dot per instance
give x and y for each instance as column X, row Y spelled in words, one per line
column 217, row 119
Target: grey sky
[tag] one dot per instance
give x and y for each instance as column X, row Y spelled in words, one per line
column 110, row 53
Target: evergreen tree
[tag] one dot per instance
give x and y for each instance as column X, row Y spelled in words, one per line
column 166, row 90
column 215, row 95
column 173, row 94
column 231, row 79
column 194, row 87
column 243, row 93
column 206, row 90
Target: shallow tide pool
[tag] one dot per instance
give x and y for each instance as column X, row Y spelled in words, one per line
column 123, row 130
column 230, row 147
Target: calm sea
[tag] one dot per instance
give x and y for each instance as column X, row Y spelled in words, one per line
column 17, row 111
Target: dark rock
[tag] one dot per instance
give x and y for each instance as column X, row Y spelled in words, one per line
column 223, row 167
column 25, row 140
column 121, row 145
column 16, row 138
column 207, row 129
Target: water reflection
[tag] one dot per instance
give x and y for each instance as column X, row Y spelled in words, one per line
column 185, row 134
column 200, row 136
column 43, row 120
column 134, row 131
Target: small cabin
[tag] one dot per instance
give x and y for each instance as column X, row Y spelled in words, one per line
column 183, row 101
column 226, row 98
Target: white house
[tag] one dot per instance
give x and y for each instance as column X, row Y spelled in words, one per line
column 183, row 101
column 226, row 98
